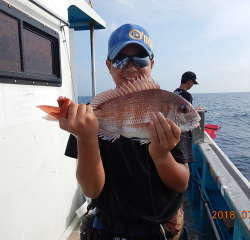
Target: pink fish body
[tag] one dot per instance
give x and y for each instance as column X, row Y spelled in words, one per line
column 127, row 110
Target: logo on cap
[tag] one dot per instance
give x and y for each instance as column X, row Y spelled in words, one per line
column 137, row 35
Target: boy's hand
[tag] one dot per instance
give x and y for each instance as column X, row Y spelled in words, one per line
column 165, row 134
column 200, row 108
column 81, row 122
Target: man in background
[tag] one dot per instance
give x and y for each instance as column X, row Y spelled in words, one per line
column 188, row 79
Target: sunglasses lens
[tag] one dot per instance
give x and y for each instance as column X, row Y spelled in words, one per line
column 141, row 62
column 138, row 62
column 120, row 63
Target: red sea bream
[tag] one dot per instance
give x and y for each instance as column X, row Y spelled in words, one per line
column 127, row 110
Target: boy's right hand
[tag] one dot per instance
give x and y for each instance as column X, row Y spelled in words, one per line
column 81, row 122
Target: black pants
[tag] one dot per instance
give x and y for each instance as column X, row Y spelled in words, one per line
column 90, row 233
column 96, row 236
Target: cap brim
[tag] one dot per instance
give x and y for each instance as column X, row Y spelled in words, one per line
column 115, row 51
column 195, row 82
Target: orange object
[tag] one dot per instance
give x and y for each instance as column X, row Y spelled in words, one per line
column 90, row 4
column 56, row 112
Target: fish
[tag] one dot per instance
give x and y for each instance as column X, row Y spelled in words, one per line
column 127, row 109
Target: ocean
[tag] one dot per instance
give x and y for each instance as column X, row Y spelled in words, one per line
column 230, row 112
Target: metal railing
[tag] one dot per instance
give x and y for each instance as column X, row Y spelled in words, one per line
column 198, row 133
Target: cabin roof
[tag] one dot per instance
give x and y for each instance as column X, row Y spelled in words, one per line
column 80, row 15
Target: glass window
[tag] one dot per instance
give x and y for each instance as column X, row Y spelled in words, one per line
column 29, row 50
column 9, row 44
column 38, row 53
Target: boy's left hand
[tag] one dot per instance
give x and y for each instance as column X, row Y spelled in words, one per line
column 165, row 134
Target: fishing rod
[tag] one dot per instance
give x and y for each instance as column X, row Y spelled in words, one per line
column 219, row 114
column 233, row 117
column 207, row 211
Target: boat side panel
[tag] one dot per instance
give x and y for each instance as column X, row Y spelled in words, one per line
column 222, row 188
column 39, row 191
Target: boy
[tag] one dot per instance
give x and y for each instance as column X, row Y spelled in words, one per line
column 188, row 79
column 136, row 188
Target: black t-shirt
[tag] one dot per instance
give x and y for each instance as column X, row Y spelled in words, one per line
column 184, row 94
column 133, row 190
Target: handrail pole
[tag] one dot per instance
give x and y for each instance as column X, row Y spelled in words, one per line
column 92, row 58
column 210, row 218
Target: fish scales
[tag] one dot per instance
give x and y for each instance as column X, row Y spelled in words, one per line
column 123, row 113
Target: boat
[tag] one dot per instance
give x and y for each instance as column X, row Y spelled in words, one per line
column 217, row 200
column 39, row 197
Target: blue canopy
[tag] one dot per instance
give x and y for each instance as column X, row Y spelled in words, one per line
column 80, row 20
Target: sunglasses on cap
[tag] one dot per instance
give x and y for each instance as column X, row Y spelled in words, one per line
column 139, row 61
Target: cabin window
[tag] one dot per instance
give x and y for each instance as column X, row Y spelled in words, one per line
column 29, row 50
column 10, row 58
column 38, row 53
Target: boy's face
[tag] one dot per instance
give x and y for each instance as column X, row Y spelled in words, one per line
column 130, row 73
column 190, row 84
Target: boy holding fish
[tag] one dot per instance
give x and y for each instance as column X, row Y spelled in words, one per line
column 137, row 188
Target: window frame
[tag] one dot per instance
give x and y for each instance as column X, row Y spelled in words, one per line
column 26, row 77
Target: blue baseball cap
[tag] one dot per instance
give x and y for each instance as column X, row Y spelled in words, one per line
column 129, row 34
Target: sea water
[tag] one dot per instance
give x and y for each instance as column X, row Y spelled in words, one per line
column 231, row 112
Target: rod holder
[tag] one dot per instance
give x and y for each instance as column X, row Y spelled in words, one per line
column 198, row 134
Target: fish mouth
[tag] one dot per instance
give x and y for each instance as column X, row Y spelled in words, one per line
column 195, row 123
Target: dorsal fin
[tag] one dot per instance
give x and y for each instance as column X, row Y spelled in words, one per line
column 138, row 85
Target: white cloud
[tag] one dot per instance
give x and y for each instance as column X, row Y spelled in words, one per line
column 222, row 18
column 228, row 69
column 244, row 62
column 112, row 27
column 209, row 37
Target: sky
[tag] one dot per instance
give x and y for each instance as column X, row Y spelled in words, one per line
column 208, row 37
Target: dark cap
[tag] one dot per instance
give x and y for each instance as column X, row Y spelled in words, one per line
column 188, row 76
column 129, row 34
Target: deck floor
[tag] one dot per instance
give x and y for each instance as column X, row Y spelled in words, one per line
column 75, row 235
column 189, row 219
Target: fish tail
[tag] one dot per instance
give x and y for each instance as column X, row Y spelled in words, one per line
column 50, row 118
column 55, row 112
column 52, row 111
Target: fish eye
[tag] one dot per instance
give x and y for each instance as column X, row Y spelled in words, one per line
column 184, row 108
